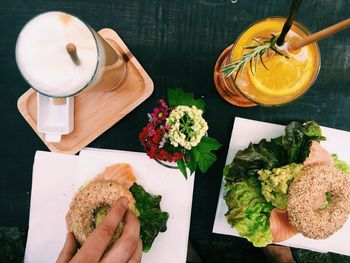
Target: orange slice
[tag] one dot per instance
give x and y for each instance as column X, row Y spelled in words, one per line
column 283, row 76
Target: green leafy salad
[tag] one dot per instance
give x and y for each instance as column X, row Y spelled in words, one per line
column 259, row 177
column 151, row 217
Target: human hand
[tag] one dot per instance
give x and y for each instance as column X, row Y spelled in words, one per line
column 127, row 249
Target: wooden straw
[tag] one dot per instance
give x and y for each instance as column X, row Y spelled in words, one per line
column 72, row 51
column 320, row 35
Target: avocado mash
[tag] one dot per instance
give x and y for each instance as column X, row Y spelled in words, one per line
column 275, row 183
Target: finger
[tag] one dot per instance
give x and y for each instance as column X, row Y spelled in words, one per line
column 126, row 245
column 96, row 243
column 136, row 258
column 68, row 250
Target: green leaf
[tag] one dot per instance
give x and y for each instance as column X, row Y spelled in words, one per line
column 248, row 211
column 298, row 139
column 262, row 155
column 191, row 162
column 202, row 153
column 208, row 144
column 292, row 147
column 178, row 97
column 182, row 167
column 204, row 159
column 152, row 219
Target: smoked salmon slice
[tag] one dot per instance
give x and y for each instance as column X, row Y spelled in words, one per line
column 120, row 173
column 280, row 228
column 318, row 154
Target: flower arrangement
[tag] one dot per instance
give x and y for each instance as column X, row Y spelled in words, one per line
column 178, row 133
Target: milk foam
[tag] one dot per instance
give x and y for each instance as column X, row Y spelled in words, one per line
column 42, row 57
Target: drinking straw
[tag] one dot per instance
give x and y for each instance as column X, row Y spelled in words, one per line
column 288, row 24
column 299, row 43
column 72, row 51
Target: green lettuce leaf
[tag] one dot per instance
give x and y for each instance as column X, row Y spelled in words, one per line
column 262, row 155
column 342, row 165
column 297, row 139
column 292, row 147
column 248, row 212
column 152, row 219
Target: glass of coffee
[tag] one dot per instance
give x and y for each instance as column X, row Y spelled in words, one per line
column 59, row 56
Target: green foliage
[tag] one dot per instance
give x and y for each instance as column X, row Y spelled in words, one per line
column 178, row 97
column 293, row 147
column 262, row 155
column 200, row 156
column 252, row 58
column 297, row 139
column 191, row 162
column 181, row 165
column 203, row 153
column 152, row 219
column 248, row 212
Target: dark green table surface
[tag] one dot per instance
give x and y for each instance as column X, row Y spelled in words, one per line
column 177, row 42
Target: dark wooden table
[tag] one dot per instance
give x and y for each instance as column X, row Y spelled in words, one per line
column 177, row 42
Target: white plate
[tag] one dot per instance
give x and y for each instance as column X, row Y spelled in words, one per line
column 176, row 192
column 57, row 176
column 246, row 131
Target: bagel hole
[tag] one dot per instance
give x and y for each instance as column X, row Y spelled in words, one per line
column 322, row 202
column 99, row 213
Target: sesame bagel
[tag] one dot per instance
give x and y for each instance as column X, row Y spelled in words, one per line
column 81, row 217
column 314, row 181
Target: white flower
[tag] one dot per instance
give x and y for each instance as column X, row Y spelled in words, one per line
column 187, row 126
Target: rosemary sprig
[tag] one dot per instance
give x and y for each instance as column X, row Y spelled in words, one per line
column 253, row 57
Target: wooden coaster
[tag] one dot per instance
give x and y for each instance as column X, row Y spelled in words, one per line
column 231, row 94
column 96, row 112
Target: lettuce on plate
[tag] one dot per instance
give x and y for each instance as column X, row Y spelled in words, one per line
column 248, row 211
column 152, row 219
column 342, row 165
column 292, row 147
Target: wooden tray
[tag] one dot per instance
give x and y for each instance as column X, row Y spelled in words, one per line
column 95, row 112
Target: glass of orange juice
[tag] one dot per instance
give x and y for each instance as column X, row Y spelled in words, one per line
column 277, row 79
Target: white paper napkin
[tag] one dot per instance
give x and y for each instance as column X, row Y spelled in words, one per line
column 57, row 176
column 52, row 191
column 246, row 131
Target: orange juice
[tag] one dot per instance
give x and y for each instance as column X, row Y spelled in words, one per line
column 283, row 79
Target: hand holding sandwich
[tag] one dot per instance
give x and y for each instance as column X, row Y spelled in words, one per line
column 128, row 248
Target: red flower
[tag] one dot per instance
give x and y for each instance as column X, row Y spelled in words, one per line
column 160, row 114
column 152, row 135
column 178, row 155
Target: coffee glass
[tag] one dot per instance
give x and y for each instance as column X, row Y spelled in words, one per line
column 60, row 56
column 45, row 63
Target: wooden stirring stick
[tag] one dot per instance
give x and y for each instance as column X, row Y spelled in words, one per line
column 72, row 51
column 320, row 35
